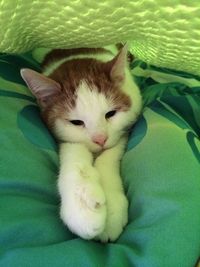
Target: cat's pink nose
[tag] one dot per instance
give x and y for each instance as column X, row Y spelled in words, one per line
column 99, row 139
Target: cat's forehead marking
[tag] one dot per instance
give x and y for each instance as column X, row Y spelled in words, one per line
column 90, row 102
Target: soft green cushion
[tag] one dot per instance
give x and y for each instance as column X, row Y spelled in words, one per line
column 163, row 33
column 161, row 177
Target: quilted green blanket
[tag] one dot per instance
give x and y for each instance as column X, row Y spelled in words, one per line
column 165, row 33
column 161, row 167
column 161, row 170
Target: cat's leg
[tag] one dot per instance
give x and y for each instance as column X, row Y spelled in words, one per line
column 82, row 197
column 108, row 165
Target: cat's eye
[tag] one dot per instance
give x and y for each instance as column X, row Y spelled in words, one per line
column 110, row 114
column 77, row 122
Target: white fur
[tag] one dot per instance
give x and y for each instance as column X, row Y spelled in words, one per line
column 84, row 180
column 93, row 204
column 108, row 166
column 82, row 197
column 91, row 108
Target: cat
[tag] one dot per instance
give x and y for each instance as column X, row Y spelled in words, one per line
column 89, row 101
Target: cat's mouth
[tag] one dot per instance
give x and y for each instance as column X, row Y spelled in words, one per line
column 97, row 149
column 100, row 149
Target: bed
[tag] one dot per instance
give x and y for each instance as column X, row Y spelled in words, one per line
column 161, row 166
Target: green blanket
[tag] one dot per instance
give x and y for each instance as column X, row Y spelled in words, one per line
column 160, row 169
column 160, row 32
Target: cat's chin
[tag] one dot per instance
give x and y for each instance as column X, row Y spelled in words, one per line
column 96, row 149
column 99, row 149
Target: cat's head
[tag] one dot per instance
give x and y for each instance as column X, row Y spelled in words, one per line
column 87, row 101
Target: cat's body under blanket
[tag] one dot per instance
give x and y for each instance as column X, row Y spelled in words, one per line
column 89, row 101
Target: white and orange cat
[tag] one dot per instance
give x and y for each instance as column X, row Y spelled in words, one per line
column 89, row 101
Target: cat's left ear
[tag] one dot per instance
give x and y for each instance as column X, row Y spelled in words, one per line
column 118, row 65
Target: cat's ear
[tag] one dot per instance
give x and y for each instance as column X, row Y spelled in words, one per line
column 118, row 65
column 41, row 86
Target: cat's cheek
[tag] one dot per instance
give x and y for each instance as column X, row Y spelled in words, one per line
column 60, row 130
column 123, row 120
column 74, row 134
column 68, row 133
column 113, row 139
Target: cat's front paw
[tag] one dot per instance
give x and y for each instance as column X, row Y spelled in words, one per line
column 117, row 217
column 83, row 209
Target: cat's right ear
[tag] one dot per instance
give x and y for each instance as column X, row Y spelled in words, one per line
column 117, row 65
column 42, row 87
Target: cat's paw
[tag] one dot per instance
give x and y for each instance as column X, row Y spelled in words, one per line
column 90, row 195
column 117, row 217
column 84, row 209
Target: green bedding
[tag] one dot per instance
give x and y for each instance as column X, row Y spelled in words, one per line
column 161, row 170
